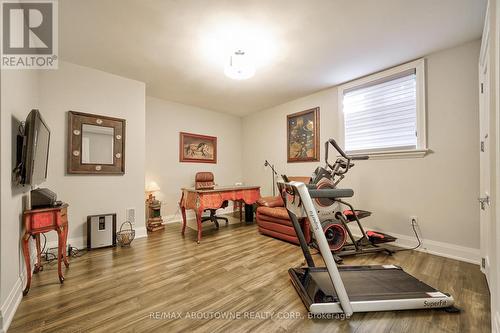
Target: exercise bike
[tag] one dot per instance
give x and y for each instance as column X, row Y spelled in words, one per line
column 335, row 220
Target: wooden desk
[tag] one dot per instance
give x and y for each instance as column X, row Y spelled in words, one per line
column 199, row 200
column 39, row 221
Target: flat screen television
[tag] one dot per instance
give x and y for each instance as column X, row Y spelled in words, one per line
column 35, row 150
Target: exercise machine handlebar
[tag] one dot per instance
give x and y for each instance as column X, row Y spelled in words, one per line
column 360, row 158
column 342, row 153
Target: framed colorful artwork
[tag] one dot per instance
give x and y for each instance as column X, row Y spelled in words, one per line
column 303, row 136
column 197, row 148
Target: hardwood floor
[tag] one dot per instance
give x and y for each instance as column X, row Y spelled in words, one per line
column 234, row 270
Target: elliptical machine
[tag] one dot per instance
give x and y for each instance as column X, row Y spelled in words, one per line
column 335, row 219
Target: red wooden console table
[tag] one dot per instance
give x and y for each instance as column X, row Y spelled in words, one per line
column 199, row 200
column 39, row 221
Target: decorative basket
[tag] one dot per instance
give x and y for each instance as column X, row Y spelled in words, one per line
column 125, row 237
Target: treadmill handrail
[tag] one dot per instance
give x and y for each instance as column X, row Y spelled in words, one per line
column 331, row 266
column 331, row 193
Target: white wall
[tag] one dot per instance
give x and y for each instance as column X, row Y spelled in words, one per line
column 55, row 92
column 164, row 121
column 264, row 138
column 441, row 189
column 19, row 91
column 83, row 89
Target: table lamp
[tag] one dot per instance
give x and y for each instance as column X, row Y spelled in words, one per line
column 150, row 189
column 153, row 206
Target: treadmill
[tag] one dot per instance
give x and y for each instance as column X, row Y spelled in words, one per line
column 349, row 289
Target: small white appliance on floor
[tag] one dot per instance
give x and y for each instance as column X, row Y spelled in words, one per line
column 101, row 231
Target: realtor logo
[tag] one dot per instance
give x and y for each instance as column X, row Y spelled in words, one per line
column 29, row 34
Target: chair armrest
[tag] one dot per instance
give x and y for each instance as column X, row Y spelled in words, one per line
column 271, row 202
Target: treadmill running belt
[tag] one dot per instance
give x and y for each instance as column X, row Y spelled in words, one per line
column 365, row 285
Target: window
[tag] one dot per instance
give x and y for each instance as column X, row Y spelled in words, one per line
column 384, row 114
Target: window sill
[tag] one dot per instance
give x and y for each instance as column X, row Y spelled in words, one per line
column 411, row 153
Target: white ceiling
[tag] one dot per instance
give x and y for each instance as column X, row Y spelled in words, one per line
column 178, row 47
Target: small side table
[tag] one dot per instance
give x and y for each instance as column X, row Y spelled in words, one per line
column 154, row 221
column 39, row 221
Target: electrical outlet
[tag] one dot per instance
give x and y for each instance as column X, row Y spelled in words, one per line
column 413, row 218
column 130, row 215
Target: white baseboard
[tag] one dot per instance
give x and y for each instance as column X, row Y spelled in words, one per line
column 496, row 322
column 9, row 307
column 141, row 232
column 486, row 268
column 81, row 242
column 190, row 215
column 78, row 242
column 174, row 218
column 441, row 249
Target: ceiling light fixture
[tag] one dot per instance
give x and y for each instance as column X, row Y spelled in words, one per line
column 240, row 66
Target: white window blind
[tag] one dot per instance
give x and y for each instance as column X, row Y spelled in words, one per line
column 382, row 115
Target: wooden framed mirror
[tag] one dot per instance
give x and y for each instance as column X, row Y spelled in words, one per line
column 96, row 144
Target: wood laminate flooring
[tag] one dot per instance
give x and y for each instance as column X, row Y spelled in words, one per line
column 167, row 283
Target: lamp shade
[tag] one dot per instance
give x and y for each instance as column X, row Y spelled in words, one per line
column 152, row 187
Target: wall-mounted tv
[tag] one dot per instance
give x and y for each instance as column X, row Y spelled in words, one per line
column 35, row 154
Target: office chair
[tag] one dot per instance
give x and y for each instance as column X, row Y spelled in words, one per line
column 205, row 181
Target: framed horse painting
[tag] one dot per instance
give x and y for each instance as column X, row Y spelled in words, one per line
column 197, row 148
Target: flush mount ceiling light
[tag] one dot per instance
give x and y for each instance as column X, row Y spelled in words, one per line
column 240, row 66
column 238, row 47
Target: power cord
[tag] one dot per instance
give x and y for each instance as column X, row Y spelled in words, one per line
column 44, row 242
column 75, row 252
column 413, row 226
column 50, row 257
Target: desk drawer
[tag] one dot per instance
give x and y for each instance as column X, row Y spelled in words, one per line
column 42, row 220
